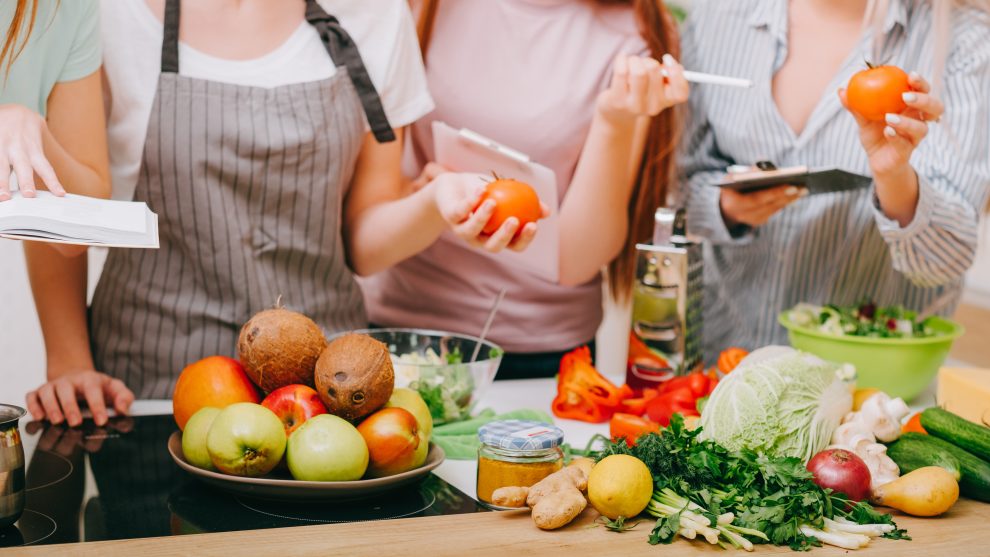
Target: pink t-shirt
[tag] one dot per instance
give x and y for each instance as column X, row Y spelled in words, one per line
column 525, row 73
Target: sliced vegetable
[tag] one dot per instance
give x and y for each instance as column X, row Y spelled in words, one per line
column 681, row 401
column 975, row 472
column 958, row 431
column 573, row 404
column 641, row 354
column 730, row 358
column 577, row 372
column 637, row 406
column 913, row 425
column 630, row 427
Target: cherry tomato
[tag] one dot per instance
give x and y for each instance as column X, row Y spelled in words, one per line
column 512, row 199
column 877, row 91
column 698, row 383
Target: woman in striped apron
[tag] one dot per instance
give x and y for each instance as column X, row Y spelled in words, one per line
column 261, row 193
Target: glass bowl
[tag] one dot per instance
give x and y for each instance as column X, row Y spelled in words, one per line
column 435, row 363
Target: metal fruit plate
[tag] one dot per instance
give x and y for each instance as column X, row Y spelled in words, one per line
column 284, row 488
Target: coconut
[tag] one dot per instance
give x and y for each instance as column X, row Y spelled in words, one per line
column 354, row 376
column 279, row 347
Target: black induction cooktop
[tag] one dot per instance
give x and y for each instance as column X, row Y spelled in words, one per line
column 118, row 482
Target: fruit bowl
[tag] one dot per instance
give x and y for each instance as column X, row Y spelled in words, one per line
column 901, row 367
column 280, row 486
column 436, row 364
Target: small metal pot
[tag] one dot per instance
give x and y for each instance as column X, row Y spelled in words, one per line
column 11, row 465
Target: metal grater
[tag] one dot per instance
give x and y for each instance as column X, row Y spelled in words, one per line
column 667, row 304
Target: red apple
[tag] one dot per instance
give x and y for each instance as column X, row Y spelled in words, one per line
column 392, row 435
column 294, row 404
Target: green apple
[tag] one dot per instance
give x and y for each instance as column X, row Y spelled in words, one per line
column 246, row 439
column 410, row 400
column 327, row 448
column 194, row 437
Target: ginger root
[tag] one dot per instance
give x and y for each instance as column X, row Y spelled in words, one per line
column 555, row 500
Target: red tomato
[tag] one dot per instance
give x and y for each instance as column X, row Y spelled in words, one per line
column 512, row 199
column 877, row 91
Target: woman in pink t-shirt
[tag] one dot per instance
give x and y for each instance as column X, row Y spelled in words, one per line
column 575, row 85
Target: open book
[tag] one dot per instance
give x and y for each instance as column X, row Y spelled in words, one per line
column 75, row 219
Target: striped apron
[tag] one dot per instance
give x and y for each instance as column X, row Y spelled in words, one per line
column 248, row 184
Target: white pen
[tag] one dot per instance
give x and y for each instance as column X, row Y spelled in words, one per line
column 698, row 77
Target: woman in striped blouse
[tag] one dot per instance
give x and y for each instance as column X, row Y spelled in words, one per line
column 910, row 237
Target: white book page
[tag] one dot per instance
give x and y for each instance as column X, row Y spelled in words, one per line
column 122, row 216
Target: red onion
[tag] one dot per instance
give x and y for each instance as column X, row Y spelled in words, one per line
column 842, row 472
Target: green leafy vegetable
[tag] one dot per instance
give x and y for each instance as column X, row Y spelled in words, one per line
column 862, row 320
column 739, row 496
column 780, row 402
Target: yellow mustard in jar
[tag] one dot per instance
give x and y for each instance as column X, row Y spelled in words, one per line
column 516, row 453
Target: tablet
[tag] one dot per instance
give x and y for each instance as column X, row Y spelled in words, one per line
column 463, row 150
column 824, row 180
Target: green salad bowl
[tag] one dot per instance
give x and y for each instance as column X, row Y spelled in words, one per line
column 901, row 367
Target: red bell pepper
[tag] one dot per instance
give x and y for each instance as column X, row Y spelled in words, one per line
column 577, row 372
column 630, row 427
column 637, row 406
column 641, row 354
column 582, row 392
column 572, row 404
column 681, row 401
column 698, row 383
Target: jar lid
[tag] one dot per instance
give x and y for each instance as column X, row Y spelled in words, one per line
column 523, row 435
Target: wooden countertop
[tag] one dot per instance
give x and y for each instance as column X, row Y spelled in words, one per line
column 959, row 533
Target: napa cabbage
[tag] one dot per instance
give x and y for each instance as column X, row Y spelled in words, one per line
column 780, row 402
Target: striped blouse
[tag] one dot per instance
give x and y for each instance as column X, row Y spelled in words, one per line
column 836, row 247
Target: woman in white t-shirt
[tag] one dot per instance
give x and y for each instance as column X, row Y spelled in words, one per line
column 266, row 149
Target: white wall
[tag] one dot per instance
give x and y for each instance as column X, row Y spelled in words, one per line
column 22, row 350
column 978, row 280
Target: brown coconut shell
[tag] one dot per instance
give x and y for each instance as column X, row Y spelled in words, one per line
column 354, row 376
column 279, row 347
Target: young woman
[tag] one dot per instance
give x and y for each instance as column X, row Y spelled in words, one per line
column 264, row 134
column 578, row 87
column 906, row 240
column 51, row 111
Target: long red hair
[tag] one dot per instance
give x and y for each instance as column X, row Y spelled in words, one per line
column 657, row 166
column 11, row 49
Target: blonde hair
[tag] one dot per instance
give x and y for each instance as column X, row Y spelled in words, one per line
column 942, row 14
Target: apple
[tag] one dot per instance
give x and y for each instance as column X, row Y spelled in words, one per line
column 294, row 404
column 411, row 400
column 246, row 439
column 194, row 437
column 327, row 448
column 394, row 442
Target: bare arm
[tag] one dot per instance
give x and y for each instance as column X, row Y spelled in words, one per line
column 603, row 181
column 75, row 138
column 381, row 227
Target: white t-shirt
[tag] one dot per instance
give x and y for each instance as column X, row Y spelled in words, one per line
column 132, row 43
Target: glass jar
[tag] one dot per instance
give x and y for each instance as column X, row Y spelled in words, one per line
column 516, row 453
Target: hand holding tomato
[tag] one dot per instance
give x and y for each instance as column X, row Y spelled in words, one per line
column 487, row 217
column 892, row 110
column 638, row 87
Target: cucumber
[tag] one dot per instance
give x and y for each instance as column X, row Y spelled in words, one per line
column 974, row 479
column 911, row 454
column 958, row 431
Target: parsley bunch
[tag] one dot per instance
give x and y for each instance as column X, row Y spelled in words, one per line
column 764, row 494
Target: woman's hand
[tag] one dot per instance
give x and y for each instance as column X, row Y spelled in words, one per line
column 457, row 196
column 21, row 150
column 889, row 144
column 755, row 208
column 58, row 399
column 639, row 88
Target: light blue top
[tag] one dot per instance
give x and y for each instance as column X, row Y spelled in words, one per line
column 64, row 46
column 834, row 247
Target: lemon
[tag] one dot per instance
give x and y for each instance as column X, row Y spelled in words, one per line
column 620, row 485
column 860, row 396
